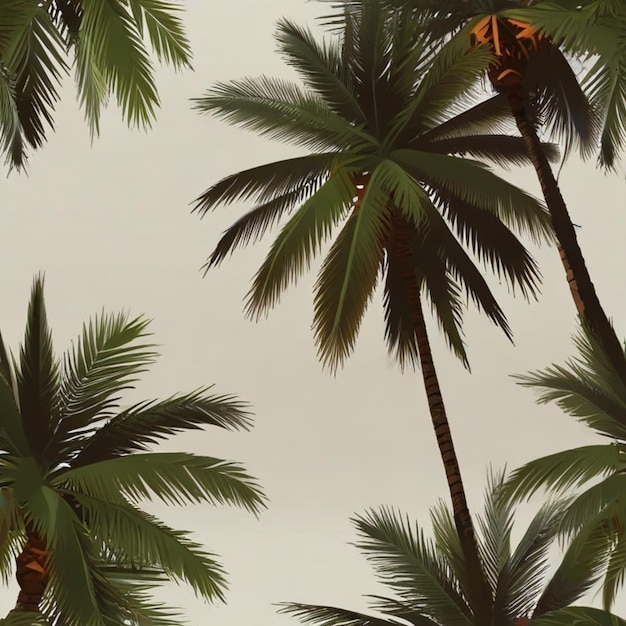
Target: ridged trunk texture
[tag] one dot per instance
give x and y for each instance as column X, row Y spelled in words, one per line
column 32, row 574
column 462, row 517
column 582, row 289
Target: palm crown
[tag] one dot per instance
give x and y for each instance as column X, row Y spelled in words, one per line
column 381, row 116
column 107, row 42
column 74, row 467
column 433, row 585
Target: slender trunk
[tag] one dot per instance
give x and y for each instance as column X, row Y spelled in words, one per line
column 32, row 574
column 582, row 289
column 461, row 513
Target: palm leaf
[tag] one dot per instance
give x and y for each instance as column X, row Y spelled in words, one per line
column 399, row 328
column 281, row 110
column 331, row 616
column 349, row 274
column 299, row 241
column 38, row 375
column 562, row 470
column 165, row 30
column 79, row 590
column 145, row 541
column 578, row 615
column 116, row 49
column 503, row 150
column 174, row 477
column 147, row 423
column 410, row 565
column 581, row 567
column 270, row 181
column 474, row 183
column 104, row 362
column 321, row 68
column 35, row 62
column 522, row 579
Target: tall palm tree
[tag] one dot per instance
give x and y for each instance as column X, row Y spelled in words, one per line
column 74, row 468
column 528, row 39
column 378, row 113
column 106, row 42
column 589, row 389
column 433, row 586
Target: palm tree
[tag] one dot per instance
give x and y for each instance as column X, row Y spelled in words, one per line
column 378, row 113
column 528, row 40
column 106, row 44
column 431, row 580
column 74, row 468
column 589, row 389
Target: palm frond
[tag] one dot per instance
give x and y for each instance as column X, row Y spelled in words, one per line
column 493, row 115
column 38, row 375
column 80, row 592
column 145, row 541
column 578, row 615
column 492, row 243
column 581, row 567
column 399, row 328
column 588, row 387
column 411, row 566
column 107, row 357
column 321, row 68
column 34, row 61
column 174, row 477
column 474, row 183
column 115, row 60
column 165, row 30
column 299, row 241
column 503, row 150
column 270, row 181
column 562, row 470
column 349, row 275
column 615, row 571
column 147, row 423
column 281, row 110
column 331, row 616
column 521, row 581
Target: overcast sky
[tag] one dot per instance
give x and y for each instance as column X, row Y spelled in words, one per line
column 110, row 225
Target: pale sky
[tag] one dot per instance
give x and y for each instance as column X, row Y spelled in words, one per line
column 110, row 225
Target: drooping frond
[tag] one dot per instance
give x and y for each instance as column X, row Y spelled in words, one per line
column 146, row 542
column 349, row 275
column 299, row 241
column 473, row 182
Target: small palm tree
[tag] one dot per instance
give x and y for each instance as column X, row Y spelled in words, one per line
column 589, row 389
column 380, row 115
column 529, row 40
column 74, row 468
column 105, row 41
column 433, row 585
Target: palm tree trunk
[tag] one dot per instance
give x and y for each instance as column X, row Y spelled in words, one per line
column 32, row 573
column 460, row 509
column 582, row 289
